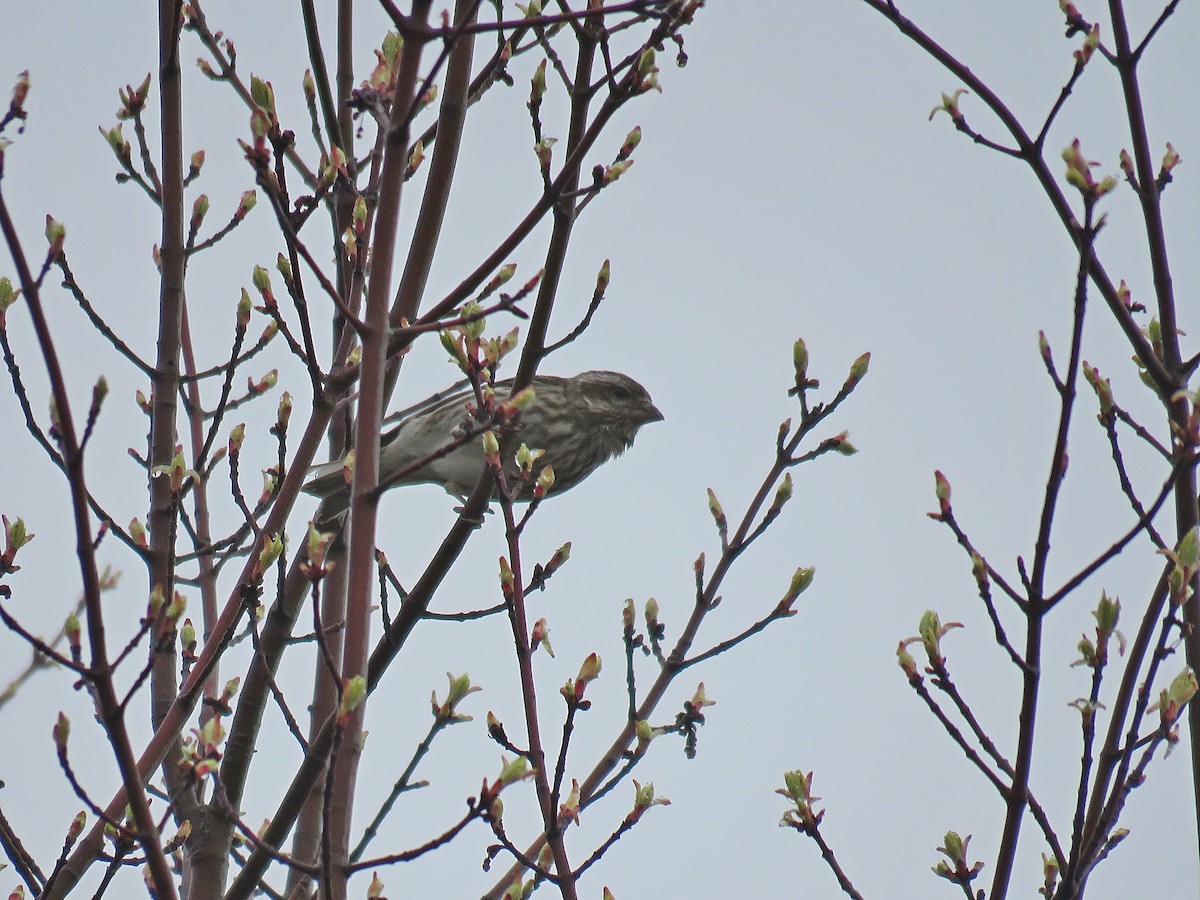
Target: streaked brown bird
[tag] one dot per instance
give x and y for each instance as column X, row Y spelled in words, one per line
column 580, row 422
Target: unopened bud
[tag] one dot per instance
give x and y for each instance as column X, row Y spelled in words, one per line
column 590, row 669
column 56, row 234
column 272, row 549
column 491, row 446
column 353, row 695
column 62, row 731
column 8, row 294
column 631, row 141
column 858, row 370
column 247, row 203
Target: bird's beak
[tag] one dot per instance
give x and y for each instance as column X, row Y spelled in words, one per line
column 653, row 415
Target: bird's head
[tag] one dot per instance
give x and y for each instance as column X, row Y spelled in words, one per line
column 617, row 398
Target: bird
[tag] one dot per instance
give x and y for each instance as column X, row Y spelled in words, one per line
column 581, row 422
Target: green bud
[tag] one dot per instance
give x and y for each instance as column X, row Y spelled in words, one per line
column 56, row 234
column 460, row 687
column 798, row 785
column 392, row 44
column 1170, row 160
column 417, row 156
column 652, row 611
column 491, row 446
column 353, row 695
column 16, row 535
column 953, row 845
column 176, row 608
column 842, row 445
column 114, row 138
column 262, row 94
column 523, row 399
column 783, row 493
column 508, row 343
column 540, row 636
column 511, row 772
column 284, row 411
column 800, row 360
column 8, row 294
column 272, row 549
column 1087, row 651
column 475, row 327
column 318, row 541
column 801, row 579
column 1188, row 551
column 700, row 698
column 245, row 304
column 199, row 209
column 76, row 829
column 941, row 490
column 644, row 798
column 1107, row 613
column 930, row 628
column 632, row 140
column 949, row 105
column 858, row 370
column 644, row 794
column 590, row 669
column 71, row 628
column 645, row 62
column 905, row 660
column 616, row 170
column 260, row 123
column 537, row 87
column 1183, row 687
column 718, row 514
column 62, row 731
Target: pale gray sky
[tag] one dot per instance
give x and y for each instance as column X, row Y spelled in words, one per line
column 788, row 184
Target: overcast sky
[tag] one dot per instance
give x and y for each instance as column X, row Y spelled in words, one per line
column 788, row 185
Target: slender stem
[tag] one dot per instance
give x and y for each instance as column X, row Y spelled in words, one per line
column 364, row 498
column 109, row 707
column 92, row 844
column 536, row 753
column 1187, row 515
column 1165, row 381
